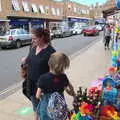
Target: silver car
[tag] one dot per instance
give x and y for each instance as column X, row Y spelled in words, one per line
column 61, row 32
column 15, row 38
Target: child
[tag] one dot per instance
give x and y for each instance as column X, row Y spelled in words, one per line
column 53, row 81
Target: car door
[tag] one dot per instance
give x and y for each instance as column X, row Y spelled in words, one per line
column 20, row 36
column 27, row 37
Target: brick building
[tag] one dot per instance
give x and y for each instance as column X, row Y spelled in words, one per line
column 27, row 13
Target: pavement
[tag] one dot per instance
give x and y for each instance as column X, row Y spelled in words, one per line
column 85, row 67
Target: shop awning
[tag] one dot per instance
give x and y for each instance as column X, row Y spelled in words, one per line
column 110, row 11
column 2, row 20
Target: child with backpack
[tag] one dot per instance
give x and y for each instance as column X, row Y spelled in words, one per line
column 51, row 87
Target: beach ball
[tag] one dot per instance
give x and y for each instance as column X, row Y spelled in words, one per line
column 114, row 53
column 114, row 58
column 115, row 46
column 114, row 64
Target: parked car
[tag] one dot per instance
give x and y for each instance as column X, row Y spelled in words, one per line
column 76, row 30
column 91, row 31
column 99, row 27
column 51, row 35
column 15, row 38
column 61, row 32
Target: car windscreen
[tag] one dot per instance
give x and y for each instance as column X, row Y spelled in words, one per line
column 91, row 28
column 10, row 32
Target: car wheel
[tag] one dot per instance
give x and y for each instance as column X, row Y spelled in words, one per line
column 18, row 44
column 84, row 34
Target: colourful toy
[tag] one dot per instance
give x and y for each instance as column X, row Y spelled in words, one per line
column 114, row 53
column 97, row 83
column 109, row 94
column 73, row 117
column 86, row 109
column 109, row 112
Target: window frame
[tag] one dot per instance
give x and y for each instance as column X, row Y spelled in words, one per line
column 0, row 5
column 25, row 6
column 53, row 11
column 34, row 8
column 58, row 11
column 15, row 5
column 41, row 9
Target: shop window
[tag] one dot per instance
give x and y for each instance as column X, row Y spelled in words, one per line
column 87, row 11
column 41, row 9
column 84, row 11
column 53, row 11
column 15, row 5
column 25, row 6
column 58, row 11
column 34, row 8
column 75, row 9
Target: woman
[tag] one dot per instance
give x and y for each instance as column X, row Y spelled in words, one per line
column 107, row 36
column 37, row 61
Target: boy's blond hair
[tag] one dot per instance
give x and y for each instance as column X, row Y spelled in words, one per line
column 58, row 62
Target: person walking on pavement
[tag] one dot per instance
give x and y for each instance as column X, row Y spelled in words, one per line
column 107, row 33
column 37, row 61
column 53, row 81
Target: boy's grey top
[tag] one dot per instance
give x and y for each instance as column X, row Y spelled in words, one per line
column 107, row 31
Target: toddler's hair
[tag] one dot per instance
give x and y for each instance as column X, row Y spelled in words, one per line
column 58, row 62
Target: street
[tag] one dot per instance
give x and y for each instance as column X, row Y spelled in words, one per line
column 10, row 58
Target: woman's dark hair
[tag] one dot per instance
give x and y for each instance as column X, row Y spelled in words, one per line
column 39, row 32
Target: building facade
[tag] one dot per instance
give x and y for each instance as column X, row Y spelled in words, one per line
column 28, row 13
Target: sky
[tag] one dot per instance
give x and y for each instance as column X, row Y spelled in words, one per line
column 88, row 2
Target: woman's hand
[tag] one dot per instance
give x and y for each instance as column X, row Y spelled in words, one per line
column 70, row 90
column 23, row 60
column 38, row 94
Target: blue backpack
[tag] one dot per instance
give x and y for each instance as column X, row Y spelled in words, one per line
column 57, row 107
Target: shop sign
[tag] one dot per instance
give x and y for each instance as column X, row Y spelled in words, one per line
column 78, row 20
column 37, row 21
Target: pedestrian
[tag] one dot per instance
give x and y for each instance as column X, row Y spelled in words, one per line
column 37, row 61
column 54, row 81
column 107, row 33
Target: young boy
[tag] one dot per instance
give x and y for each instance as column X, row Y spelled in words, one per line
column 53, row 81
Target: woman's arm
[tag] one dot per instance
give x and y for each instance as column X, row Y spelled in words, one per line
column 38, row 94
column 70, row 90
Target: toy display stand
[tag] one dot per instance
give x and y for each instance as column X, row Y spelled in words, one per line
column 97, row 103
column 101, row 101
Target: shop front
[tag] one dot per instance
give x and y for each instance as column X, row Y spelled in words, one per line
column 25, row 23
column 3, row 26
column 72, row 21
